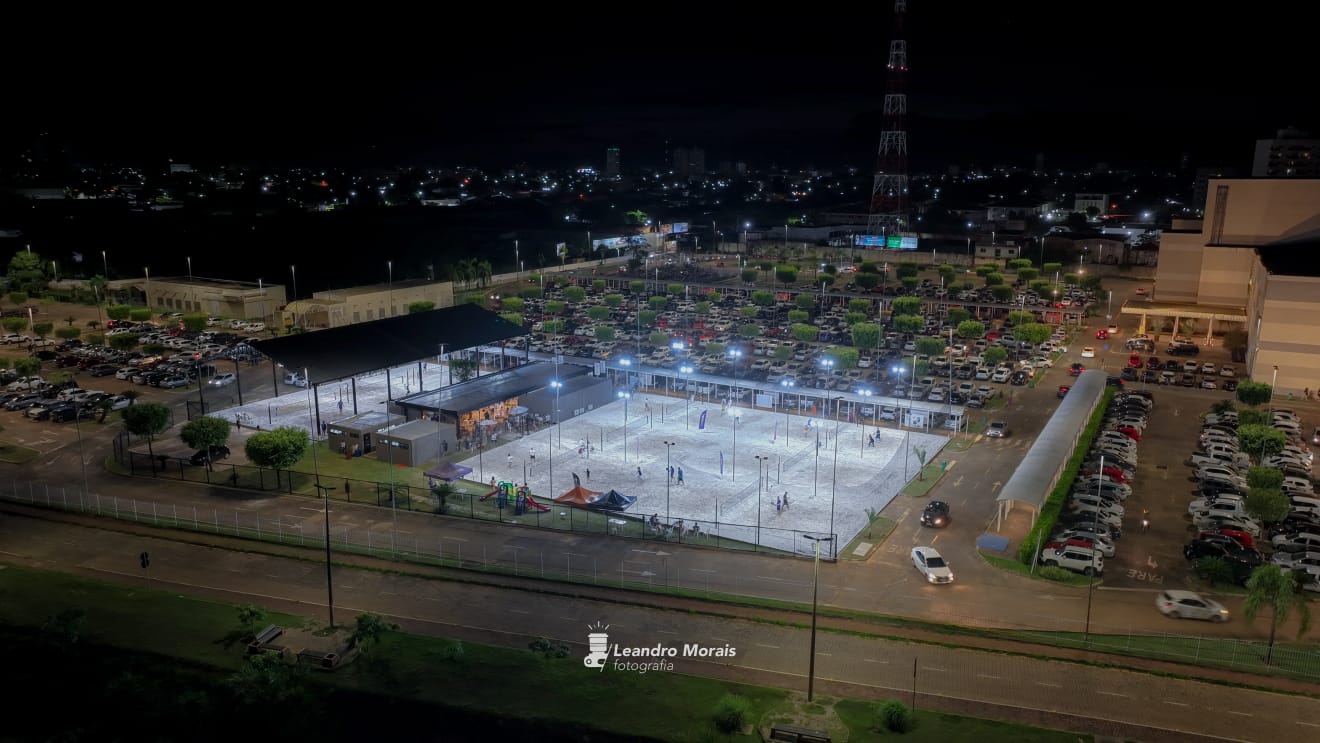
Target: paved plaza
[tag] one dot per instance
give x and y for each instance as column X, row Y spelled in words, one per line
column 827, row 469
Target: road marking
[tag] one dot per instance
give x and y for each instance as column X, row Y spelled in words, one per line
column 987, row 676
column 388, row 593
column 820, row 653
column 519, row 611
column 568, row 619
column 1111, row 693
column 699, row 570
column 1176, row 704
column 929, row 668
column 1046, row 683
column 666, row 632
column 763, row 645
column 1240, row 714
column 1308, row 724
column 272, row 575
column 717, row 639
column 433, row 598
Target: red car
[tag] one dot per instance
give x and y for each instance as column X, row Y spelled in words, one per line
column 1135, row 361
column 1102, row 335
column 1113, row 473
column 1128, row 431
column 1237, row 535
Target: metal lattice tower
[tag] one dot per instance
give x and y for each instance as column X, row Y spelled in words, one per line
column 889, row 195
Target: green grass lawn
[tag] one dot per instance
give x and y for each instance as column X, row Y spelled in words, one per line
column 874, row 534
column 937, row 727
column 504, row 682
column 15, row 454
column 918, row 487
column 1015, row 566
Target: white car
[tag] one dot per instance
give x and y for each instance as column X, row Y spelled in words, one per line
column 930, row 563
column 1088, row 352
column 223, row 380
column 1227, row 371
column 1188, row 605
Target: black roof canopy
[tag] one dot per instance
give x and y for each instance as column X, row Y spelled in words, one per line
column 339, row 353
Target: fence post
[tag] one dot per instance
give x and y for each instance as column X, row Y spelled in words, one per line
column 135, row 511
column 258, row 525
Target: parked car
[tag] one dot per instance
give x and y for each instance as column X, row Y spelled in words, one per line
column 222, row 380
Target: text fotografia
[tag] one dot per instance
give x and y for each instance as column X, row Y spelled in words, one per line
column 661, row 657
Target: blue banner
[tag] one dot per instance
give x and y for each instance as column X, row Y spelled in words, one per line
column 701, row 422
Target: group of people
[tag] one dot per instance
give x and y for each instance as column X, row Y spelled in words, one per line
column 781, row 503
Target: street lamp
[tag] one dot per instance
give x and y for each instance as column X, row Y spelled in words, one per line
column 390, row 266
column 737, row 416
column 736, row 355
column 815, row 592
column 862, row 440
column 322, row 490
column 625, row 395
column 556, row 384
column 1273, row 380
column 759, row 480
column 687, row 394
column 787, row 384
column 668, row 445
column 189, row 269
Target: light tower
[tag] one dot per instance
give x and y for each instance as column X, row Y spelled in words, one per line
column 889, row 195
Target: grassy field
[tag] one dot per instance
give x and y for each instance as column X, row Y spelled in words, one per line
column 920, row 486
column 1016, row 566
column 936, row 727
column 14, row 454
column 503, row 682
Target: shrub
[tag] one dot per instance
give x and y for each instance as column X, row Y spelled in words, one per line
column 1216, row 570
column 731, row 713
column 1050, row 572
column 893, row 716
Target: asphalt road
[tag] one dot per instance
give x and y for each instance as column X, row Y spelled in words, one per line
column 1093, row 698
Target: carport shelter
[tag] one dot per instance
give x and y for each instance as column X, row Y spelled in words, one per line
column 1040, row 470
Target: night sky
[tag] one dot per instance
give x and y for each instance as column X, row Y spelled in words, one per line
column 1115, row 82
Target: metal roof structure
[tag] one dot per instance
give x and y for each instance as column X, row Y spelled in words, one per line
column 477, row 393
column 1039, row 471
column 340, row 353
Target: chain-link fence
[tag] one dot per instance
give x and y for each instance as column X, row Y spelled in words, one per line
column 482, row 505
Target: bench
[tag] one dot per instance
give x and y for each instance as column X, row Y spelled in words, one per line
column 261, row 642
column 323, row 660
column 795, row 734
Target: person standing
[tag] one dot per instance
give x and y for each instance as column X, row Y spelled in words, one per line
column 588, row 473
column 531, row 453
column 348, row 489
column 639, row 473
column 680, row 475
column 785, row 500
column 509, row 458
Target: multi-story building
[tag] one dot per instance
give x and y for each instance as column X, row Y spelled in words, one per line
column 1250, row 263
column 1084, row 202
column 1292, row 154
column 611, row 162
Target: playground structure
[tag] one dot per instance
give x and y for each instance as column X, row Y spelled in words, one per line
column 520, row 496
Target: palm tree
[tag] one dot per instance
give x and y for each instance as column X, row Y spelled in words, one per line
column 460, row 271
column 483, row 272
column 1270, row 586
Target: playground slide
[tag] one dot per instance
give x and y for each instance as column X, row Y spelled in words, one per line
column 531, row 503
column 491, row 494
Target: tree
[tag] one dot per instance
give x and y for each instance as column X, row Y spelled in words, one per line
column 852, row 318
column 1248, row 416
column 866, row 281
column 204, row 433
column 118, row 311
column 155, row 349
column 673, row 289
column 749, row 330
column 906, row 306
column 798, row 316
column 1001, row 293
column 1020, row 317
column 598, row 313
column 920, row 454
column 553, row 326
column 946, row 271
column 416, row 308
column 748, row 275
column 646, row 317
column 786, row 274
column 865, row 335
column 96, row 339
column 1034, row 333
column 250, row 616
column 15, row 324
column 994, row 279
column 139, row 314
column 266, row 680
column 971, row 329
column 1027, row 274
column 1268, row 505
column 748, row 311
column 149, row 419
column 1270, row 586
column 1226, row 406
column 42, row 329
column 859, row 305
column 483, row 272
column 68, row 333
column 368, row 631
column 18, row 298
column 195, row 322
column 656, row 338
column 783, row 351
column 844, row 358
column 702, row 307
column 1048, row 268
column 512, row 317
column 1260, row 441
column 27, row 366
column 805, row 301
column 513, row 304
column 555, row 307
column 958, row 315
column 910, row 282
column 908, row 324
column 657, row 303
column 279, row 449
column 637, row 287
column 929, row 346
column 806, row 333
column 1253, row 393
column 604, row 333
column 985, row 270
column 714, row 349
column 907, row 269
column 763, row 298
column 598, row 285
column 1017, row 264
column 994, row 355
column 614, row 300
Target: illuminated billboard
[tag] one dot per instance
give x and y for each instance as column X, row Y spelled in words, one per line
column 620, row 243
column 869, row 241
column 891, row 242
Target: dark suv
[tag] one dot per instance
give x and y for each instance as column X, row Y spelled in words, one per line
column 935, row 514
